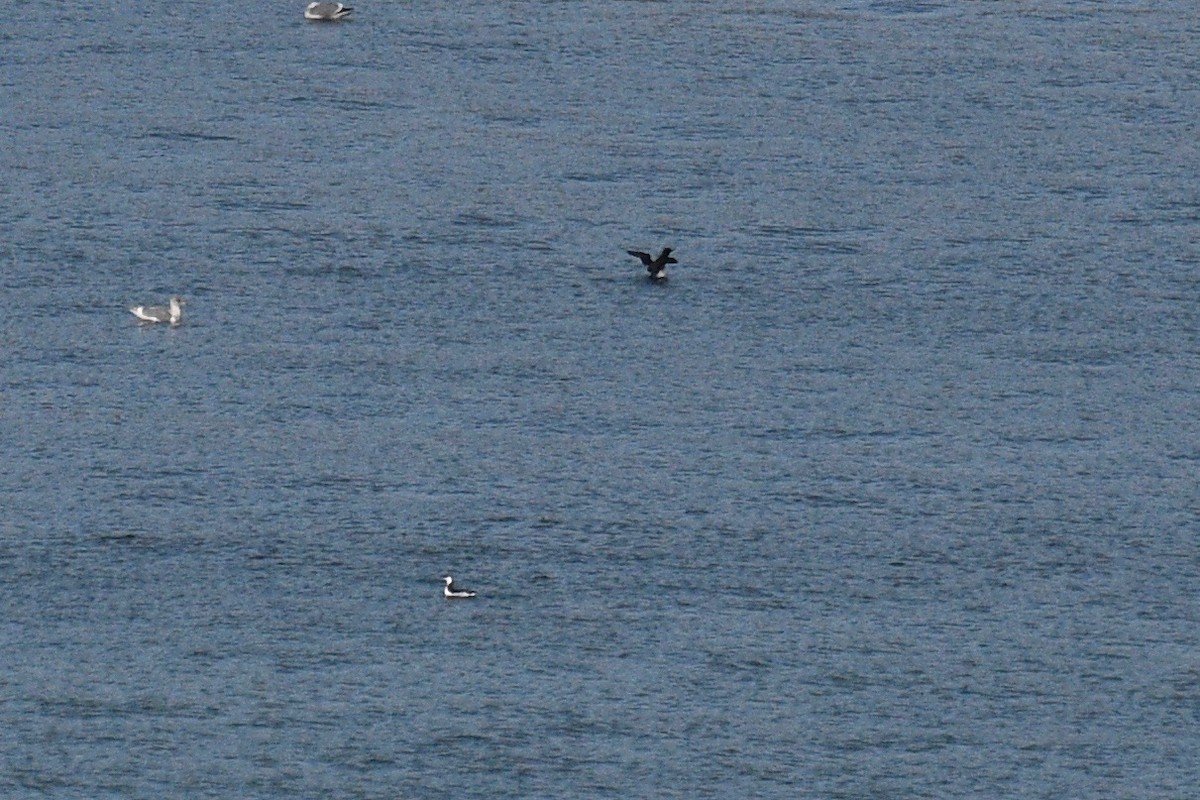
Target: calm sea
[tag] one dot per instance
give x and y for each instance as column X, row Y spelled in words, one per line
column 890, row 491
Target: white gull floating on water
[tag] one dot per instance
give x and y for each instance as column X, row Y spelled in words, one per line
column 326, row 12
column 172, row 314
column 453, row 591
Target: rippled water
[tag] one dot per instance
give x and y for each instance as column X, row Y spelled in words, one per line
column 889, row 491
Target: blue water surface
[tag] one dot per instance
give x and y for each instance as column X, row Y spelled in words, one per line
column 888, row 491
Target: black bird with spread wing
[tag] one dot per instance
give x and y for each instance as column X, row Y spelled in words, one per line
column 657, row 267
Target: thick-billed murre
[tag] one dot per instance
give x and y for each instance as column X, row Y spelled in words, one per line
column 452, row 591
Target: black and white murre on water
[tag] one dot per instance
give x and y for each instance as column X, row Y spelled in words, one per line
column 452, row 591
column 657, row 267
